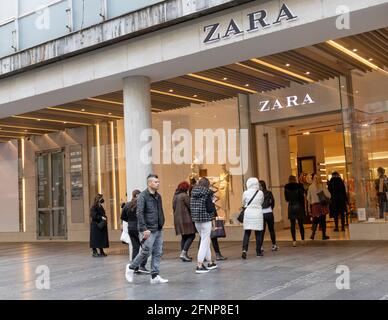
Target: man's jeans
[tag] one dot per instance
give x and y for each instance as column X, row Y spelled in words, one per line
column 152, row 246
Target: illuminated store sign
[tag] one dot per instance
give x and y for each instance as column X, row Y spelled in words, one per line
column 289, row 102
column 258, row 19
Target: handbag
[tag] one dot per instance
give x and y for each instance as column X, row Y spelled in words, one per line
column 218, row 230
column 324, row 201
column 240, row 217
column 124, row 234
column 102, row 224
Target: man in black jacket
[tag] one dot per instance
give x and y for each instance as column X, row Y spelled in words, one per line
column 150, row 222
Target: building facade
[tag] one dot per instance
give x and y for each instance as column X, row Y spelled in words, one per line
column 95, row 95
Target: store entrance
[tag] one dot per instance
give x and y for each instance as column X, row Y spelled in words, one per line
column 301, row 147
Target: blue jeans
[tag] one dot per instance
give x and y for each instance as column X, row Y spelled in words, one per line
column 152, row 246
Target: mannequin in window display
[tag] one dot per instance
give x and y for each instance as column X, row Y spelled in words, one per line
column 381, row 186
column 224, row 189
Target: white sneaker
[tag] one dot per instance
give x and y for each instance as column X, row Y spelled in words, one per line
column 158, row 280
column 129, row 273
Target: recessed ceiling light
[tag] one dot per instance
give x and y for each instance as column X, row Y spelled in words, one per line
column 64, row 122
column 308, row 72
column 225, row 78
column 38, row 119
column 247, row 85
column 357, row 91
column 26, row 130
column 306, row 133
column 370, row 59
column 287, row 65
column 355, row 50
column 83, row 110
column 110, row 113
column 195, row 96
column 171, row 90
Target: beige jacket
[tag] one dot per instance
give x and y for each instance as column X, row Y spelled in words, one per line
column 312, row 192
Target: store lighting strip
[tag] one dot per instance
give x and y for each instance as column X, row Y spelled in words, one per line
column 178, row 96
column 10, row 137
column 85, row 112
column 290, row 73
column 221, row 83
column 355, row 56
column 52, row 120
column 28, row 128
column 106, row 101
column 11, row 131
column 23, row 186
column 98, row 149
column 112, row 141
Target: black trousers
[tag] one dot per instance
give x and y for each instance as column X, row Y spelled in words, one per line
column 187, row 241
column 259, row 240
column 321, row 220
column 269, row 220
column 215, row 244
column 134, row 235
column 293, row 228
column 337, row 216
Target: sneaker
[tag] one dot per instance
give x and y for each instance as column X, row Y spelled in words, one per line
column 95, row 255
column 211, row 266
column 202, row 269
column 275, row 247
column 158, row 280
column 220, row 257
column 294, row 244
column 129, row 273
column 143, row 270
column 244, row 255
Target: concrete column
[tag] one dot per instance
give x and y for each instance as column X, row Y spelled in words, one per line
column 137, row 117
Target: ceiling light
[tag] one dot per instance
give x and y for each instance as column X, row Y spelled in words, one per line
column 287, row 65
column 38, row 119
column 221, row 83
column 171, row 90
column 83, row 110
column 195, row 96
column 30, row 128
column 293, row 74
column 247, row 85
column 355, row 50
column 177, row 96
column 306, row 133
column 308, row 72
column 355, row 56
column 370, row 59
column 51, row 120
column 225, row 79
column 110, row 113
column 106, row 101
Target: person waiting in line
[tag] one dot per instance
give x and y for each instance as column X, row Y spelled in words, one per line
column 98, row 227
column 318, row 197
column 339, row 200
column 294, row 194
column 151, row 220
column 381, row 186
column 269, row 219
column 203, row 210
column 129, row 212
column 183, row 223
column 252, row 201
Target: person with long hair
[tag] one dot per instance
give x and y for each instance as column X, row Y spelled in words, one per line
column 203, row 211
column 269, row 219
column 318, row 196
column 129, row 211
column 339, row 199
column 183, row 223
column 294, row 194
column 98, row 227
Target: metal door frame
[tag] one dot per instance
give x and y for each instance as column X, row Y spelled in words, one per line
column 51, row 209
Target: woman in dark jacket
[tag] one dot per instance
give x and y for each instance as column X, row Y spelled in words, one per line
column 98, row 227
column 339, row 199
column 294, row 194
column 183, row 223
column 129, row 213
column 268, row 217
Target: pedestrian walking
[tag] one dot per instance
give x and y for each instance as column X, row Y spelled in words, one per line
column 268, row 216
column 151, row 220
column 202, row 213
column 295, row 196
column 339, row 200
column 252, row 201
column 98, row 227
column 183, row 223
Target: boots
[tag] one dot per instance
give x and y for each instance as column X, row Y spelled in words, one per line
column 184, row 257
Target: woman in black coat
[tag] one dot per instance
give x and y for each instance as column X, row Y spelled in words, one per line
column 339, row 199
column 98, row 227
column 294, row 194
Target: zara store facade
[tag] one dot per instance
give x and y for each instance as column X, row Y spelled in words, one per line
column 51, row 177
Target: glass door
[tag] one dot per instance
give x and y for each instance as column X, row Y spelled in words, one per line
column 51, row 195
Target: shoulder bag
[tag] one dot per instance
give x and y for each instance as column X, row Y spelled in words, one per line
column 240, row 217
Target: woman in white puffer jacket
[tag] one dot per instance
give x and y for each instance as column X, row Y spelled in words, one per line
column 253, row 216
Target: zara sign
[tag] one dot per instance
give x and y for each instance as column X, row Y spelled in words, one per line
column 289, row 102
column 256, row 20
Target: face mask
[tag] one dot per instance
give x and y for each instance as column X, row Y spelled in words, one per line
column 102, row 201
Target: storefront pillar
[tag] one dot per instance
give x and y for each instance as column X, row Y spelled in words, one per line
column 137, row 118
